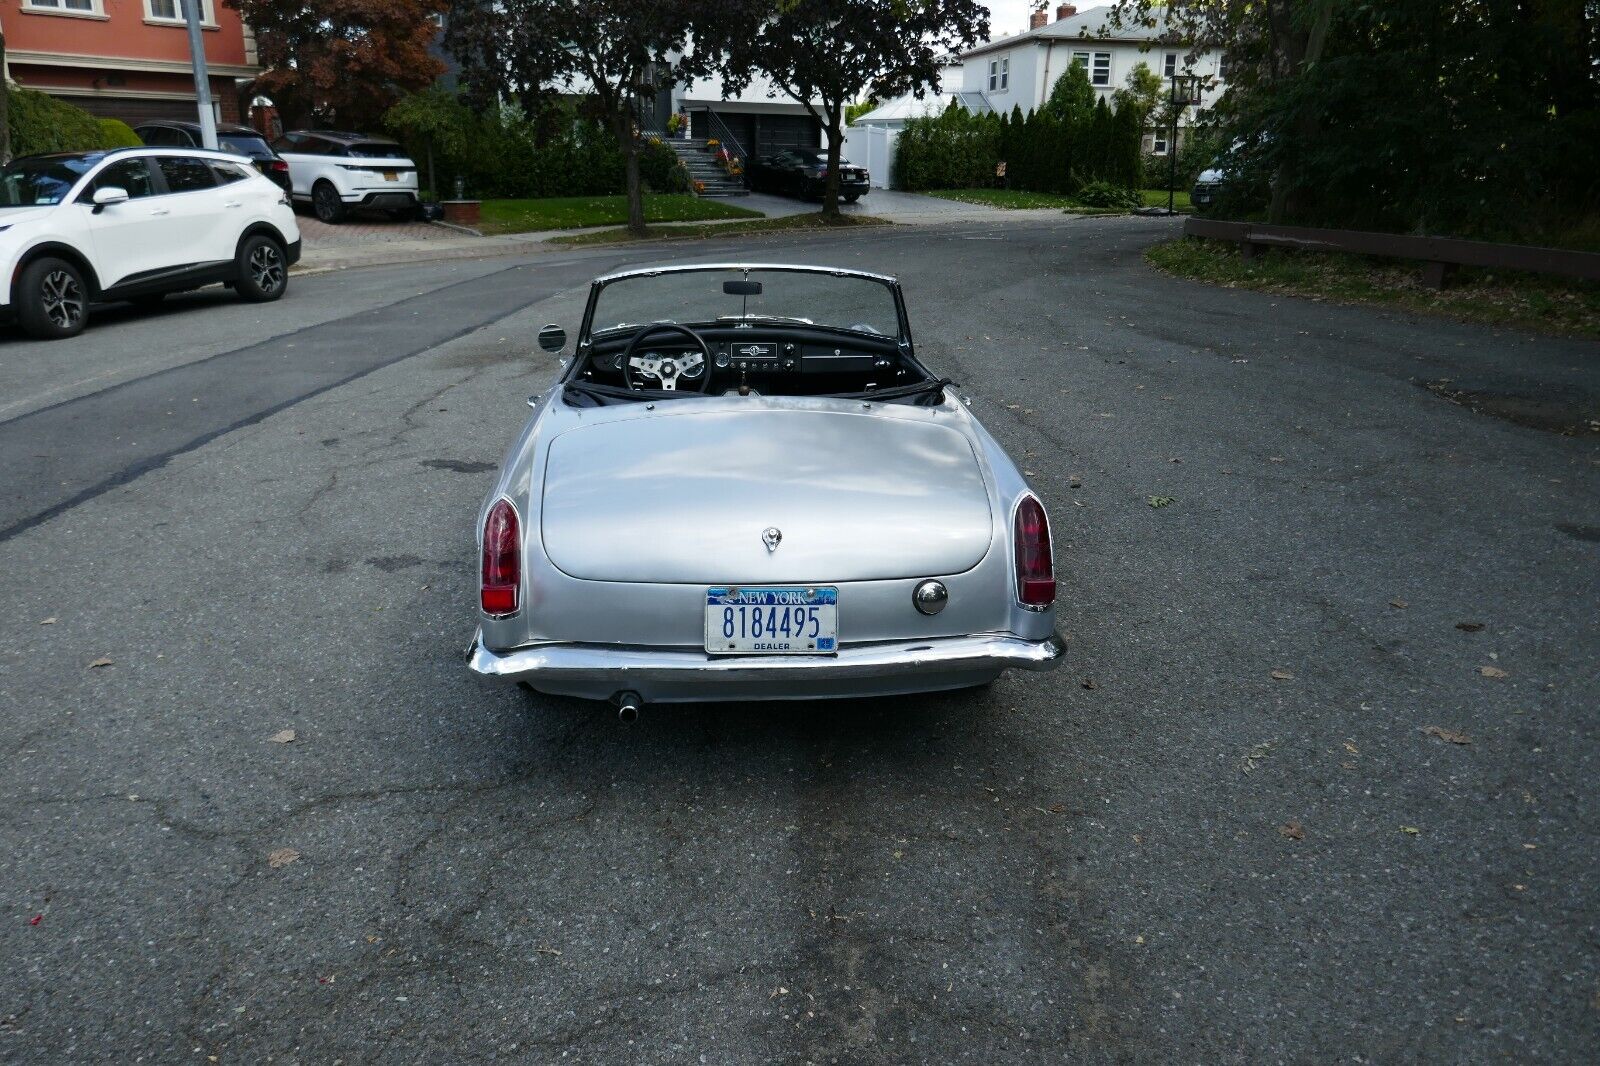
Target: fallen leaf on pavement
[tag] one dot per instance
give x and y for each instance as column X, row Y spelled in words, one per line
column 1447, row 734
column 99, row 663
column 285, row 736
column 1351, row 748
column 282, row 857
column 1161, row 501
column 49, row 621
column 1058, row 808
column 1410, row 830
column 1282, row 675
column 1492, row 671
column 1088, row 683
column 1399, row 604
column 1256, row 754
column 36, row 919
column 548, row 951
column 1292, row 830
column 1469, row 627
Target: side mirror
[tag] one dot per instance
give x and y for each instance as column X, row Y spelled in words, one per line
column 552, row 338
column 110, row 194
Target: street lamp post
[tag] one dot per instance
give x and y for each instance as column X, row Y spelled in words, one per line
column 202, row 82
column 1188, row 83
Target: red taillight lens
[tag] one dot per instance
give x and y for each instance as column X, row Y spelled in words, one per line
column 279, row 165
column 1036, row 576
column 502, row 561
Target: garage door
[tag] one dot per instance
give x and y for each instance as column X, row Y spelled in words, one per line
column 788, row 131
column 133, row 109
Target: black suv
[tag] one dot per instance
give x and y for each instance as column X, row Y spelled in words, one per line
column 240, row 140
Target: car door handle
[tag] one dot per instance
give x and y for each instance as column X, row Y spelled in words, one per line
column 232, row 203
column 161, row 210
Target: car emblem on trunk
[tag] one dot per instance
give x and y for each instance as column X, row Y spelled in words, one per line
column 772, row 535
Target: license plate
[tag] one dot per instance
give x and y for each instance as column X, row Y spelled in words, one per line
column 390, row 175
column 772, row 620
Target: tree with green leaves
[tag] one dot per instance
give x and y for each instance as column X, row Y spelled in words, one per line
column 1143, row 90
column 1072, row 98
column 1469, row 117
column 827, row 53
column 615, row 52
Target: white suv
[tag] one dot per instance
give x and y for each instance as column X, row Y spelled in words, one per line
column 335, row 172
column 136, row 224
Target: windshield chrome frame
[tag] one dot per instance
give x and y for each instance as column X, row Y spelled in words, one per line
column 585, row 336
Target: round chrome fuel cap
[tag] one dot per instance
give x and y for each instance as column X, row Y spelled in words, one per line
column 930, row 597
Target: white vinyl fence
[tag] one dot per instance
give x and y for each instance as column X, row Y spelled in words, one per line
column 872, row 147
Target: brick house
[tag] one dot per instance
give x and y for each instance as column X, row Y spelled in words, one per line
column 126, row 59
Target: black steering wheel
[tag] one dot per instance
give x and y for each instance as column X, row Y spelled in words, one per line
column 666, row 369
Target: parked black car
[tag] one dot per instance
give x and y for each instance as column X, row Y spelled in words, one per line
column 803, row 172
column 240, row 140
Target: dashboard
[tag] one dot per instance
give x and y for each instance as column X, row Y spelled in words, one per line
column 798, row 360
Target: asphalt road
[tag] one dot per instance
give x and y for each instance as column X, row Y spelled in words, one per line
column 1161, row 852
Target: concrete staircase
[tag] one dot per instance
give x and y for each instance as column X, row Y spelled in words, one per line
column 703, row 168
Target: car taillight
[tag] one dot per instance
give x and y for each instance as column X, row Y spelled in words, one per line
column 279, row 165
column 502, row 561
column 1036, row 576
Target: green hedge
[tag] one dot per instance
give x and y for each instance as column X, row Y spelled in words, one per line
column 41, row 123
column 115, row 133
column 504, row 154
column 1042, row 152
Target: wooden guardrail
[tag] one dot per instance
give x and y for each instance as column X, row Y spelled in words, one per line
column 1441, row 255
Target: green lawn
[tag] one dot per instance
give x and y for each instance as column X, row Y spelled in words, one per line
column 1010, row 199
column 1507, row 298
column 573, row 212
column 1158, row 198
column 1016, row 199
column 811, row 220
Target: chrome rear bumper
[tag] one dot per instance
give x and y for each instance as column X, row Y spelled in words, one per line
column 668, row 675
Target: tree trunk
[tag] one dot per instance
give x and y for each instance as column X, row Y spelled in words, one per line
column 630, row 152
column 1298, row 46
column 830, row 184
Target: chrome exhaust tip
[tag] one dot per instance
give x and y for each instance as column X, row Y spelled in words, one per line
column 628, row 706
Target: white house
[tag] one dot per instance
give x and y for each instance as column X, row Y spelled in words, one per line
column 1020, row 70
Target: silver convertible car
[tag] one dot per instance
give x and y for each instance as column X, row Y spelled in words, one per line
column 745, row 486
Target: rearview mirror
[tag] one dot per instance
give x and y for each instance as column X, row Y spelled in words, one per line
column 552, row 338
column 742, row 288
column 110, row 194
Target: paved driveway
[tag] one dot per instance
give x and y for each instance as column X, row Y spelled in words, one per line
column 369, row 229
column 905, row 208
column 1164, row 852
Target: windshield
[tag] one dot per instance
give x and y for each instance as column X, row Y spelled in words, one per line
column 864, row 305
column 42, row 180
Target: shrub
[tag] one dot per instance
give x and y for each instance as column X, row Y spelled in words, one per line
column 115, row 133
column 1107, row 194
column 1042, row 152
column 660, row 170
column 41, row 123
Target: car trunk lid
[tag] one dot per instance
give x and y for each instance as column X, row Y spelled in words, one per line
column 688, row 498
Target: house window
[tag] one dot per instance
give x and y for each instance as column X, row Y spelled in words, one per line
column 1169, row 65
column 999, row 74
column 1160, row 145
column 1222, row 67
column 1098, row 64
column 172, row 11
column 81, row 7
